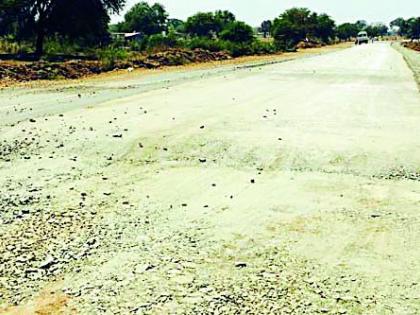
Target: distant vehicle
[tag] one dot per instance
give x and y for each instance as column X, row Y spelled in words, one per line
column 362, row 38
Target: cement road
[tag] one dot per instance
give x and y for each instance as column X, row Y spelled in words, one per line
column 288, row 188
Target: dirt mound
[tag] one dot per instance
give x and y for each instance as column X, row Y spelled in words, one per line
column 28, row 71
column 180, row 57
column 308, row 44
column 412, row 45
column 48, row 71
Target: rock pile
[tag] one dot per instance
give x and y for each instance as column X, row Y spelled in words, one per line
column 308, row 44
column 48, row 71
column 29, row 71
column 176, row 57
column 412, row 45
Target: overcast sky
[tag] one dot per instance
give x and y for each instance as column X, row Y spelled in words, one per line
column 254, row 12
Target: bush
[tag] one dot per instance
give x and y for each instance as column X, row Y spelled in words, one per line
column 204, row 43
column 235, row 49
column 111, row 56
column 161, row 42
column 238, row 49
column 55, row 46
column 137, row 45
column 261, row 48
column 9, row 45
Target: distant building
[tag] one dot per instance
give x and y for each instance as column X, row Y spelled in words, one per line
column 128, row 37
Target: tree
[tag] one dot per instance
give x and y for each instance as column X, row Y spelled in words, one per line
column 409, row 28
column 238, row 32
column 413, row 28
column 209, row 24
column 291, row 27
column 202, row 24
column 347, row 31
column 80, row 25
column 223, row 18
column 375, row 30
column 266, row 28
column 120, row 27
column 66, row 18
column 176, row 25
column 146, row 19
column 401, row 25
column 323, row 28
column 361, row 25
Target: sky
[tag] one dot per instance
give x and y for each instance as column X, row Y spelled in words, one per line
column 254, row 12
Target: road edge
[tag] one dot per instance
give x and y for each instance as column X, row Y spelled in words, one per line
column 412, row 58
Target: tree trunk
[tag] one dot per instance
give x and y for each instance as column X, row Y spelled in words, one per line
column 39, row 46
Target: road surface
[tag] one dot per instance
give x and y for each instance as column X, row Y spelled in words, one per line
column 289, row 188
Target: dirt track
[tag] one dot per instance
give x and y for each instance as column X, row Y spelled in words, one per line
column 289, row 188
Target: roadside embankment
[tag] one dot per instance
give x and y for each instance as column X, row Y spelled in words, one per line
column 11, row 71
column 412, row 45
column 29, row 71
column 411, row 55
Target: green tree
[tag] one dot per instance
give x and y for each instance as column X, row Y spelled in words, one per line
column 413, row 28
column 80, row 25
column 291, row 27
column 209, row 24
column 361, row 25
column 202, row 24
column 15, row 21
column 323, row 28
column 146, row 19
column 66, row 18
column 120, row 27
column 376, row 30
column 401, row 25
column 346, row 31
column 223, row 19
column 176, row 25
column 238, row 32
column 409, row 27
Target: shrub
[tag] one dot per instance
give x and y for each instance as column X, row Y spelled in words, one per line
column 161, row 42
column 9, row 45
column 111, row 56
column 205, row 43
column 235, row 49
column 56, row 46
column 137, row 45
column 260, row 48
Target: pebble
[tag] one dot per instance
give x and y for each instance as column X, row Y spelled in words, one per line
column 240, row 264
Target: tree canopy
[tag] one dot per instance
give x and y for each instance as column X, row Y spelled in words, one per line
column 298, row 24
column 347, row 31
column 409, row 28
column 375, row 30
column 202, row 24
column 146, row 19
column 209, row 24
column 323, row 27
column 238, row 32
column 176, row 25
column 77, row 18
